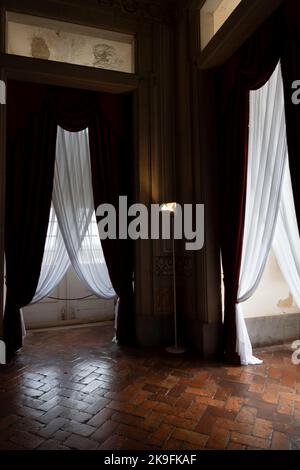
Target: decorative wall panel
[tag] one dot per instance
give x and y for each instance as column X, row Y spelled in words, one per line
column 74, row 44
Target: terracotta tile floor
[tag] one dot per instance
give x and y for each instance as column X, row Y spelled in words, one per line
column 74, row 389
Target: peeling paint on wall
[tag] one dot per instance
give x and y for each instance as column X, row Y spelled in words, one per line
column 286, row 302
column 39, row 48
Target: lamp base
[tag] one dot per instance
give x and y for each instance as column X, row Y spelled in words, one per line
column 175, row 350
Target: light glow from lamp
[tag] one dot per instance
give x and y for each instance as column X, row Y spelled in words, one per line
column 169, row 207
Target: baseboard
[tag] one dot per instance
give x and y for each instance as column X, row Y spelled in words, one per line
column 203, row 338
column 274, row 329
column 43, row 326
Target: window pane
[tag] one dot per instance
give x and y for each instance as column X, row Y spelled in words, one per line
column 65, row 42
column 91, row 249
column 51, row 239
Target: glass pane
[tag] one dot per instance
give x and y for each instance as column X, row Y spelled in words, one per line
column 51, row 239
column 46, row 39
column 91, row 249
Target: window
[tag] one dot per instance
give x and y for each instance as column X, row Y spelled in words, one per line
column 65, row 42
column 91, row 249
column 213, row 15
column 52, row 239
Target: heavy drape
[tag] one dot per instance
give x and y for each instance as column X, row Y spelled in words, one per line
column 110, row 138
column 34, row 111
column 29, row 179
column 108, row 185
column 248, row 69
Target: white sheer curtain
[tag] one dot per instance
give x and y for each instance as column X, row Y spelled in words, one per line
column 286, row 242
column 267, row 157
column 72, row 236
column 74, row 207
column 56, row 260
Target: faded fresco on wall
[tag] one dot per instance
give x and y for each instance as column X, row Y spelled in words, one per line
column 64, row 46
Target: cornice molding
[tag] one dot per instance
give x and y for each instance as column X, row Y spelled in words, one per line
column 151, row 9
column 244, row 21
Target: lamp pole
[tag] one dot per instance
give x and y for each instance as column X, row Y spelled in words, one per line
column 174, row 280
column 174, row 349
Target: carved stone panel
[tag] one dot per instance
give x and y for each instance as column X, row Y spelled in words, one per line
column 155, row 10
column 164, row 300
column 164, row 266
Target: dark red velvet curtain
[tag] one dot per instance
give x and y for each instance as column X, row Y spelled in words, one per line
column 113, row 177
column 33, row 116
column 290, row 63
column 109, row 119
column 29, row 179
column 248, row 69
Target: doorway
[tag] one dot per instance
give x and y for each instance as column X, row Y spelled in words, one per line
column 107, row 169
column 70, row 303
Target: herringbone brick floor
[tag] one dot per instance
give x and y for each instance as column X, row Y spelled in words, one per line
column 74, row 389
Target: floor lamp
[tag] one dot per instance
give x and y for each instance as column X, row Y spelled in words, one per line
column 171, row 208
